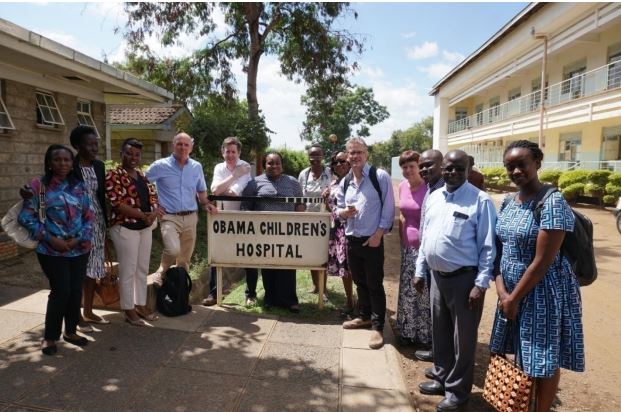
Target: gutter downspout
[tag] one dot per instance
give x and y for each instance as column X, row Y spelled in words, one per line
column 542, row 87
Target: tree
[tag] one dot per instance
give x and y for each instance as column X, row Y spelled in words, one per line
column 419, row 137
column 340, row 113
column 301, row 35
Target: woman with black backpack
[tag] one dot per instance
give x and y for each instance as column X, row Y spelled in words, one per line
column 539, row 314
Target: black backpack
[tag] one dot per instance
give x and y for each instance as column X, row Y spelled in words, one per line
column 577, row 246
column 374, row 182
column 174, row 295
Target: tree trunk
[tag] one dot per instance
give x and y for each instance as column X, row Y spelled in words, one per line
column 256, row 50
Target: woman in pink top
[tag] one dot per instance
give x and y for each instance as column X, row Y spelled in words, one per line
column 413, row 312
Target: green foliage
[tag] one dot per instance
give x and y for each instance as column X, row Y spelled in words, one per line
column 594, row 189
column 495, row 177
column 615, row 178
column 610, row 200
column 598, row 177
column 293, row 162
column 572, row 177
column 550, row 176
column 217, row 118
column 572, row 191
column 613, row 189
column 349, row 111
column 418, row 137
column 110, row 164
column 300, row 35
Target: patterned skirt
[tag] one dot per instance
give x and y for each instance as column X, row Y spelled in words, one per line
column 95, row 266
column 337, row 253
column 413, row 308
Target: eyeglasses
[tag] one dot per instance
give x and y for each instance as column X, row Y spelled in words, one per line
column 340, row 162
column 451, row 169
column 355, row 152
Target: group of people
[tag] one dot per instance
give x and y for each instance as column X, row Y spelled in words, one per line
column 453, row 245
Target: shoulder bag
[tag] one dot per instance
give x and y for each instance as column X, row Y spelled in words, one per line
column 17, row 232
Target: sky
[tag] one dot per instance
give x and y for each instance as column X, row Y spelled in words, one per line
column 408, row 48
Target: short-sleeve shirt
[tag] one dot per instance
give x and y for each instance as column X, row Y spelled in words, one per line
column 177, row 186
column 221, row 172
column 312, row 187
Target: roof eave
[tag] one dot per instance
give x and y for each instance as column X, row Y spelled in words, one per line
column 507, row 28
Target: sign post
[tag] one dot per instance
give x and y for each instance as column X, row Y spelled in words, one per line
column 274, row 240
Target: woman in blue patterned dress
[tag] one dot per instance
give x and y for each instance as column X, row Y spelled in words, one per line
column 539, row 305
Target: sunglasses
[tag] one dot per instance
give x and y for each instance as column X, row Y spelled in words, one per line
column 340, row 162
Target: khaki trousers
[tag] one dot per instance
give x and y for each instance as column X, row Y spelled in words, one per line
column 179, row 237
column 133, row 250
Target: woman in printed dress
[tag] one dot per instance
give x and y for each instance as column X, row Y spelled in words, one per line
column 337, row 248
column 85, row 140
column 413, row 310
column 539, row 314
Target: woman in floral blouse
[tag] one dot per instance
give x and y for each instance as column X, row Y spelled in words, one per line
column 64, row 232
column 133, row 202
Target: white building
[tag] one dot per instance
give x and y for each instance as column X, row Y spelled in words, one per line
column 494, row 96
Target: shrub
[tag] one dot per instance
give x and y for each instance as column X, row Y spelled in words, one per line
column 610, row 200
column 594, row 189
column 572, row 191
column 572, row 177
column 615, row 178
column 613, row 190
column 599, row 177
column 495, row 177
column 550, row 176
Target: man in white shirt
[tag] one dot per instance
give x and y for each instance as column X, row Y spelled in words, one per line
column 229, row 179
column 314, row 180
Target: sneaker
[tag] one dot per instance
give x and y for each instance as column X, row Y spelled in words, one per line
column 357, row 323
column 377, row 340
column 84, row 327
column 251, row 301
column 209, row 301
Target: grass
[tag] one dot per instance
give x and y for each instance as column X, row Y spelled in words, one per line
column 309, row 310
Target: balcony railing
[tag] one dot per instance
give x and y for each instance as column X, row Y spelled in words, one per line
column 586, row 84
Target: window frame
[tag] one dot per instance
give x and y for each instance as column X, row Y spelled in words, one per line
column 5, row 111
column 86, row 114
column 51, row 109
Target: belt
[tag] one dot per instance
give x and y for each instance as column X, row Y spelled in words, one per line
column 357, row 239
column 184, row 213
column 460, row 271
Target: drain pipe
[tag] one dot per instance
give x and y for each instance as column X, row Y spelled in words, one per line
column 542, row 88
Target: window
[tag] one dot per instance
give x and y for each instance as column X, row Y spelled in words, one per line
column 461, row 113
column 47, row 110
column 494, row 108
column 513, row 107
column 479, row 111
column 514, row 94
column 573, row 80
column 614, row 67
column 611, row 149
column 84, row 114
column 5, row 118
column 570, row 147
column 535, row 97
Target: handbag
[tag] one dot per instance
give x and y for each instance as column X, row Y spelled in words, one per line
column 18, row 233
column 507, row 388
column 107, row 288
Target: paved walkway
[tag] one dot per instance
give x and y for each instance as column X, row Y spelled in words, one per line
column 209, row 360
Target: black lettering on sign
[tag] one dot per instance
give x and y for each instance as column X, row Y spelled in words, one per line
column 240, row 249
column 297, row 252
column 289, row 253
column 324, row 228
column 279, row 246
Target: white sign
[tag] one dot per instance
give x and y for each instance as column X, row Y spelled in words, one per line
column 279, row 240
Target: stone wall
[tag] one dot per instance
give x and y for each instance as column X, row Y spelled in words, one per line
column 22, row 150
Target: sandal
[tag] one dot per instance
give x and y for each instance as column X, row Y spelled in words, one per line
column 147, row 316
column 100, row 321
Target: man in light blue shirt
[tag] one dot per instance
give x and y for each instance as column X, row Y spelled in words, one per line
column 459, row 248
column 179, row 181
column 368, row 205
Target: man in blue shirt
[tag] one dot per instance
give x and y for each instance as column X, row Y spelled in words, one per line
column 458, row 245
column 368, row 217
column 179, row 181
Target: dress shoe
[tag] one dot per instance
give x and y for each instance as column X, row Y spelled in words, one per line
column 377, row 340
column 99, row 320
column 424, row 355
column 84, row 327
column 209, row 301
column 447, row 405
column 429, row 373
column 431, row 388
column 134, row 322
column 79, row 341
column 357, row 323
column 49, row 350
